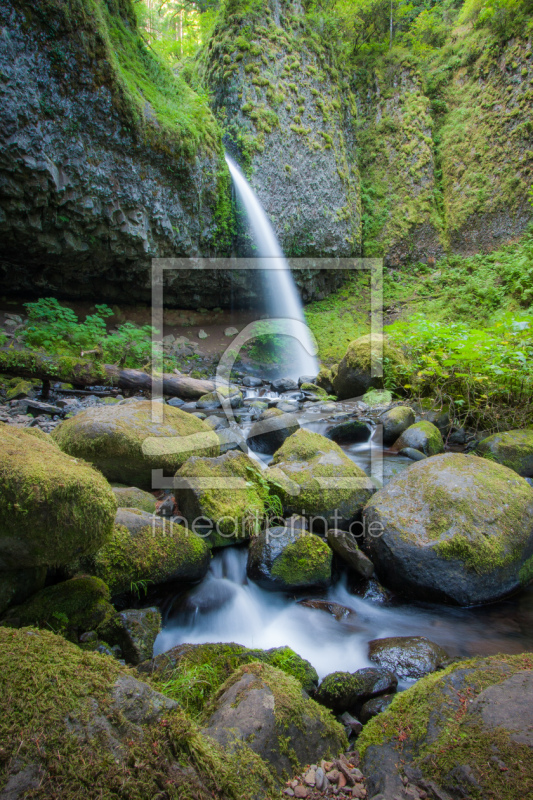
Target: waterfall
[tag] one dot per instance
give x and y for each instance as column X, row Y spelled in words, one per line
column 281, row 294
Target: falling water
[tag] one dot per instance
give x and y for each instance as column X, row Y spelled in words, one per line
column 281, row 295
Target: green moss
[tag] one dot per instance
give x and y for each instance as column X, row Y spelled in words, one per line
column 513, row 449
column 427, row 434
column 154, row 554
column 314, row 389
column 59, row 710
column 52, row 507
column 130, row 497
column 305, row 562
column 406, row 723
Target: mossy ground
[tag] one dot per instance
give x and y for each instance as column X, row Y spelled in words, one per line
column 57, row 712
column 406, row 722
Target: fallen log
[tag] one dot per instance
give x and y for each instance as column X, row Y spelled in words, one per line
column 81, row 373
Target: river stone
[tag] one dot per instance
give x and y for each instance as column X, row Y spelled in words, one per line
column 345, row 546
column 270, row 431
column 374, row 707
column 251, row 382
column 131, row 497
column 231, row 438
column 422, row 436
column 232, row 510
column 407, row 656
column 146, row 550
column 395, row 421
column 314, row 478
column 281, row 385
column 53, row 507
column 126, row 445
column 513, row 449
column 348, row 691
column 17, row 585
column 224, row 658
column 266, row 708
column 139, row 628
column 354, row 374
column 414, row 455
column 475, row 739
column 351, row 431
column 453, row 528
column 286, row 559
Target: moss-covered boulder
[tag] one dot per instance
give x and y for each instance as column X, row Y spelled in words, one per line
column 465, row 731
column 265, row 707
column 287, row 559
column 193, row 673
column 395, row 421
column 53, row 507
column 144, row 551
column 73, row 607
column 223, row 397
column 325, row 378
column 423, row 436
column 513, row 449
column 270, row 431
column 223, row 497
column 348, row 691
column 365, row 356
column 313, row 477
column 453, row 527
column 126, row 444
column 17, row 585
column 63, row 706
column 131, row 497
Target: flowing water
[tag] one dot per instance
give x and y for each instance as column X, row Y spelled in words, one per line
column 281, row 296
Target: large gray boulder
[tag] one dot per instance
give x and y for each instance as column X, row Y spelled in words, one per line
column 452, row 528
column 472, row 736
column 266, row 708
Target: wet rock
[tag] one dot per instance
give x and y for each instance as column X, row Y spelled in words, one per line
column 454, row 527
column 480, row 710
column 252, row 383
column 395, row 421
column 270, row 431
column 139, row 628
column 345, row 546
column 35, row 408
column 131, row 497
column 414, row 455
column 422, row 436
column 231, row 439
column 126, row 445
column 263, row 706
column 374, row 707
column 176, row 402
column 408, row 656
column 351, row 431
column 335, row 609
column 358, row 371
column 347, row 691
column 283, row 559
column 352, row 726
column 513, row 449
column 281, row 385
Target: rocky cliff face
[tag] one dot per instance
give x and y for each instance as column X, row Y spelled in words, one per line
column 288, row 114
column 97, row 175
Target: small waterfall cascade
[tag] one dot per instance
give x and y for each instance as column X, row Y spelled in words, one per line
column 281, row 295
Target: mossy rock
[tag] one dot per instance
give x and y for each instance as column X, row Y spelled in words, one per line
column 270, row 431
column 481, row 747
column 73, row 607
column 395, row 421
column 224, row 396
column 377, row 397
column 313, row 477
column 226, row 513
column 144, row 551
column 17, row 585
column 347, row 691
column 423, row 436
column 131, row 497
column 69, row 706
column 53, row 508
column 193, row 673
column 452, row 528
column 126, row 445
column 325, row 378
column 288, row 559
column 265, row 707
column 313, row 388
column 369, row 354
column 19, row 389
column 513, row 449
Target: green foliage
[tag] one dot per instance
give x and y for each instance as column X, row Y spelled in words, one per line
column 192, row 687
column 56, row 329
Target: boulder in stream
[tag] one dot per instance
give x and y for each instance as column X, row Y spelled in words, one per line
column 422, row 436
column 348, row 691
column 287, row 559
column 395, row 421
column 364, row 357
column 453, row 528
column 124, row 442
column 270, row 431
column 408, row 656
column 513, row 449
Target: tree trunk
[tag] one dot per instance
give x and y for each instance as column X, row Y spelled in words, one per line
column 81, row 373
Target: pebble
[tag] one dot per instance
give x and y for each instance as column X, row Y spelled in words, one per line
column 309, row 777
column 301, row 791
